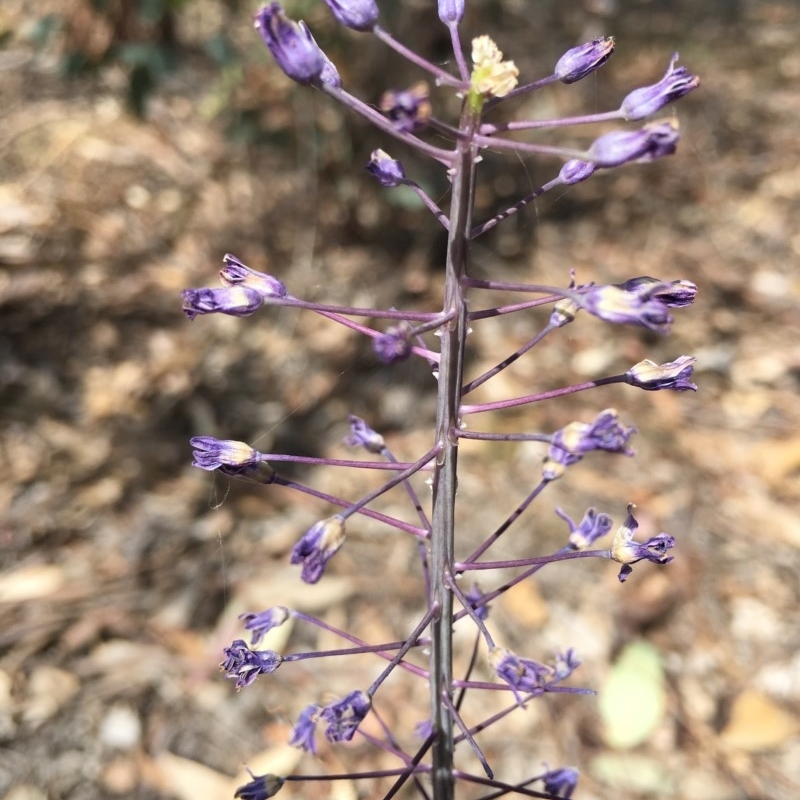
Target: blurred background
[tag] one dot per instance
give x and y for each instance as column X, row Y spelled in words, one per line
column 143, row 139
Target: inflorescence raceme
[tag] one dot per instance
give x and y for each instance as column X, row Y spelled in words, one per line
column 483, row 79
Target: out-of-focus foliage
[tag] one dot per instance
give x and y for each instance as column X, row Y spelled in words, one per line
column 140, row 36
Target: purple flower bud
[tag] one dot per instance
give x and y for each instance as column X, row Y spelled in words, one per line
column 628, row 552
column 230, row 458
column 575, row 171
column 236, row 273
column 570, row 443
column 584, row 59
column 566, row 663
column 389, row 172
column 523, row 675
column 360, row 15
column 561, row 782
column 330, row 75
column 291, row 45
column 261, row 624
column 304, row 730
column 245, row 665
column 592, row 527
column 564, row 312
column 237, row 301
column 677, row 82
column 649, row 143
column 317, row 547
column 260, row 788
column 604, row 433
column 479, row 606
column 640, row 306
column 393, row 345
column 675, row 294
column 451, row 12
column 672, row 375
column 409, row 109
column 361, row 435
column 344, row 717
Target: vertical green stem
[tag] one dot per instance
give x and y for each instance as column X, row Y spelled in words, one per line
column 453, row 340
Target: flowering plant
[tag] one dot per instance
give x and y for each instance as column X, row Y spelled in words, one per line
column 438, row 340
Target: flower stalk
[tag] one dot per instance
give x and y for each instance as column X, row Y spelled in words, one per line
column 438, row 340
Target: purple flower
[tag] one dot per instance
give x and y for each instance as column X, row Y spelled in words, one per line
column 649, row 143
column 605, row 433
column 236, row 273
column 361, row 435
column 628, row 552
column 561, row 782
column 238, row 301
column 677, row 82
column 260, row 788
column 672, row 375
column 592, row 527
column 317, row 546
column 393, row 344
column 261, row 624
column 245, row 665
column 451, row 12
column 640, row 306
column 304, row 730
column 345, row 716
column 231, row 458
column 389, row 172
column 291, row 44
column 523, row 675
column 409, row 109
column 476, row 601
column 584, row 59
column 566, row 663
column 564, row 312
column 674, row 294
column 360, row 15
column 575, row 171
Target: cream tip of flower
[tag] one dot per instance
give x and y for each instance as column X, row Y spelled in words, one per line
column 491, row 76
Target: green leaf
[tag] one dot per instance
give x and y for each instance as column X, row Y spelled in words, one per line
column 633, row 699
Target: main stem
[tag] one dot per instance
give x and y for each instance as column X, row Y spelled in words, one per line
column 453, row 340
